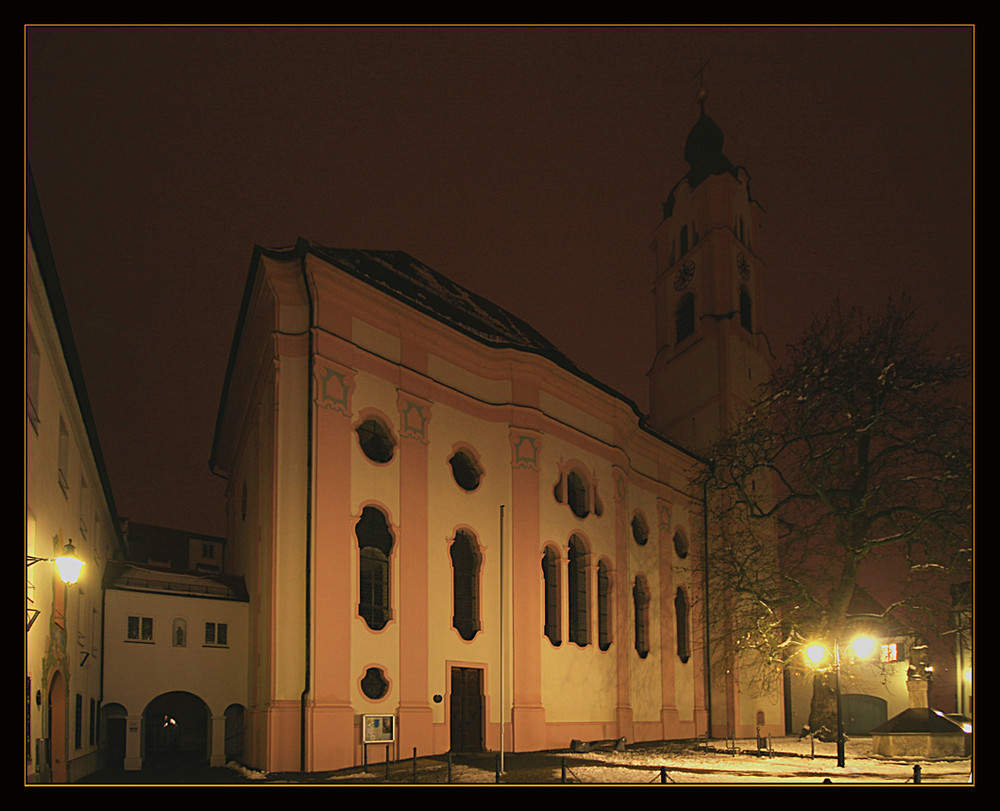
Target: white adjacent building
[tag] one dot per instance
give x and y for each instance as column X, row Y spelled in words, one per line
column 67, row 498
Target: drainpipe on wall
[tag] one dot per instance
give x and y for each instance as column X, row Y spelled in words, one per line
column 307, row 685
column 707, row 631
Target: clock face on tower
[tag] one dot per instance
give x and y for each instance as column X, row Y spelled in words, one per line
column 743, row 265
column 684, row 275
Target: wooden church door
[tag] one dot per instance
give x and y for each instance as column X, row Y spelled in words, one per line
column 466, row 709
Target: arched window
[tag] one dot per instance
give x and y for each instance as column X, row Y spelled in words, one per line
column 465, row 562
column 640, row 599
column 603, row 606
column 374, row 547
column 746, row 310
column 550, row 578
column 684, row 240
column 578, row 593
column 684, row 317
column 376, row 441
column 681, row 612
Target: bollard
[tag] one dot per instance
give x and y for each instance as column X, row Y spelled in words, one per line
column 449, row 766
column 497, row 775
column 564, row 770
column 414, row 764
column 387, row 762
column 663, row 774
column 916, row 774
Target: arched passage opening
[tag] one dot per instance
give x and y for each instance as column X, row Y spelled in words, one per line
column 176, row 727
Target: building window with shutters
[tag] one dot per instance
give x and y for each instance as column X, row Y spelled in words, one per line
column 466, row 562
column 374, row 549
column 578, row 592
column 550, row 579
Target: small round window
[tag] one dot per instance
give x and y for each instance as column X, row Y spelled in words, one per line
column 376, row 443
column 465, row 470
column 640, row 530
column 681, row 543
column 374, row 685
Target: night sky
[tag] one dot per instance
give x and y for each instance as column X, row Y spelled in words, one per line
column 528, row 164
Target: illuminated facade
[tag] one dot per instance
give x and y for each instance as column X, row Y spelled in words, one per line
column 67, row 498
column 441, row 519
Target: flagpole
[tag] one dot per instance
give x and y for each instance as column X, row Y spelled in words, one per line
column 502, row 646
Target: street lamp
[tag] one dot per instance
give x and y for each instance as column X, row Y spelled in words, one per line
column 67, row 564
column 863, row 646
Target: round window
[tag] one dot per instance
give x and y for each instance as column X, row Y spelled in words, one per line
column 376, row 443
column 374, row 685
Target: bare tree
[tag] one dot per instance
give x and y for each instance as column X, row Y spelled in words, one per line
column 859, row 445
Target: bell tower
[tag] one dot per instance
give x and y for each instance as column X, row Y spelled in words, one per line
column 711, row 352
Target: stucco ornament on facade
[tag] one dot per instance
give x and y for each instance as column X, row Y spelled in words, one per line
column 414, row 417
column 525, row 449
column 333, row 387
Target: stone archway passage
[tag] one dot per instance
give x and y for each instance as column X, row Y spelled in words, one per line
column 176, row 730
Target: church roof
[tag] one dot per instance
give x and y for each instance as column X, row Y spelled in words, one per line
column 411, row 281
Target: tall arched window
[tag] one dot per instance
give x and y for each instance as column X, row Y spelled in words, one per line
column 684, row 317
column 578, row 593
column 374, row 548
column 465, row 563
column 681, row 612
column 603, row 606
column 550, row 579
column 640, row 599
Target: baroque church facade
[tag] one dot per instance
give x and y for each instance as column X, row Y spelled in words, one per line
column 454, row 539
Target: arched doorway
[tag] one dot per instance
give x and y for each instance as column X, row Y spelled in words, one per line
column 235, row 724
column 56, row 730
column 113, row 724
column 176, row 730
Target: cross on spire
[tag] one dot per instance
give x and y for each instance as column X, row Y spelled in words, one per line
column 702, row 92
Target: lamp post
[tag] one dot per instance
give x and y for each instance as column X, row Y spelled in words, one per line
column 863, row 646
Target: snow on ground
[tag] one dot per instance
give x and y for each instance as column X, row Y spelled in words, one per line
column 794, row 761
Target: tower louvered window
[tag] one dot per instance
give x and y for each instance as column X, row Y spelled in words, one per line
column 685, row 317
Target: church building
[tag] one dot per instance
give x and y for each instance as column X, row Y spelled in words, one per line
column 452, row 538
